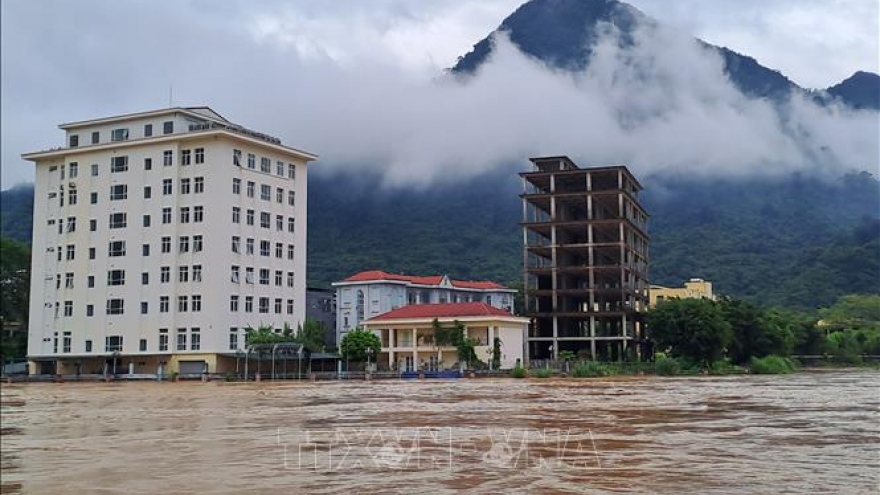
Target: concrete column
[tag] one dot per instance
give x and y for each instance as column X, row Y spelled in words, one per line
column 415, row 349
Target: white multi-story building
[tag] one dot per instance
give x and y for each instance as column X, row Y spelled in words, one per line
column 158, row 237
column 371, row 293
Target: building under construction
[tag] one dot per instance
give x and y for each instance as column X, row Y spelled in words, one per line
column 586, row 260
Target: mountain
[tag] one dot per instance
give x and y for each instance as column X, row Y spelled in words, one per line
column 562, row 33
column 16, row 212
column 861, row 90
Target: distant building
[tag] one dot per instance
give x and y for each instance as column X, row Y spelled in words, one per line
column 371, row 293
column 695, row 288
column 586, row 260
column 158, row 237
column 408, row 338
column 321, row 307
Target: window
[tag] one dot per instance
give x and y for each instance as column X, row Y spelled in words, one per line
column 252, row 161
column 250, row 189
column 181, row 339
column 143, row 346
column 264, row 248
column 68, row 309
column 265, row 192
column 265, row 165
column 165, row 274
column 264, row 276
column 198, row 214
column 148, row 130
column 145, row 250
column 182, row 304
column 119, row 135
column 236, row 243
column 183, row 244
column 93, row 225
column 235, row 274
column 200, row 155
column 115, row 306
column 279, row 195
column 264, row 305
column 184, row 186
column 73, row 170
column 71, row 197
column 93, row 198
column 195, row 343
column 90, row 281
column 236, row 214
column 236, row 186
column 94, row 170
column 71, row 224
column 96, row 137
column 166, row 214
column 291, row 171
column 116, row 277
column 290, row 279
column 145, row 309
column 291, row 225
column 249, row 304
column 145, row 278
column 183, row 274
column 168, row 158
column 236, row 158
column 164, row 304
column 66, row 345
column 279, row 223
column 197, row 273
column 163, row 340
column 168, row 127
column 146, row 221
column 196, row 303
column 279, row 169
column 249, row 275
column 59, row 253
column 184, row 214
column 250, row 217
column 118, row 192
column 233, row 339
column 113, row 343
column 118, row 164
column 167, row 186
column 88, row 346
column 279, row 250
column 68, row 280
column 279, row 278
column 249, row 247
column 199, row 185
column 233, row 303
column 166, row 244
column 70, row 252
column 290, row 251
column 185, row 157
column 291, row 198
column 277, row 308
column 148, row 192
column 290, row 306
column 90, row 310
column 74, row 140
column 197, row 243
column 116, row 248
column 148, row 164
column 265, row 219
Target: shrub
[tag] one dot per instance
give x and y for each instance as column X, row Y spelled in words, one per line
column 590, row 368
column 543, row 373
column 518, row 372
column 772, row 365
column 666, row 366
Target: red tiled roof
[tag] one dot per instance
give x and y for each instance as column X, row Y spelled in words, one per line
column 376, row 275
column 450, row 310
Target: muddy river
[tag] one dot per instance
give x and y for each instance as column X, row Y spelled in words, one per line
column 813, row 432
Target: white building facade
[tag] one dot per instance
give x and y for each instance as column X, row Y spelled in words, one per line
column 158, row 237
column 371, row 293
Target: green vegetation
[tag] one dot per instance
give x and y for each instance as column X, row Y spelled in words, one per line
column 496, row 353
column 692, row 329
column 542, row 373
column 586, row 369
column 265, row 334
column 518, row 372
column 355, row 343
column 666, row 366
column 15, row 259
column 772, row 365
column 456, row 336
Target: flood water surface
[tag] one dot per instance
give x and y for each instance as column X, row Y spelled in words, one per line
column 806, row 433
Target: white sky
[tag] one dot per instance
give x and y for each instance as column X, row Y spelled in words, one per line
column 64, row 61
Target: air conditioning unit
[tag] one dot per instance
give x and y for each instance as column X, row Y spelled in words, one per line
column 71, row 185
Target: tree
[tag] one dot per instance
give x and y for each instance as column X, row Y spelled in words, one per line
column 355, row 343
column 694, row 329
column 496, row 353
column 311, row 335
column 456, row 336
column 265, row 334
column 853, row 312
column 14, row 297
column 754, row 333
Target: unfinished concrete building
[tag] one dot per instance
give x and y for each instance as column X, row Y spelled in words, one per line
column 586, row 261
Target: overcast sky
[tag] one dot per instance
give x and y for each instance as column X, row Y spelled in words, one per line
column 358, row 81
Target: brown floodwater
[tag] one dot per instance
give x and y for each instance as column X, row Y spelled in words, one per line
column 812, row 432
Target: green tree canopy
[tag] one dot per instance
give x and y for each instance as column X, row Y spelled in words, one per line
column 265, row 334
column 311, row 335
column 355, row 343
column 694, row 329
column 754, row 333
